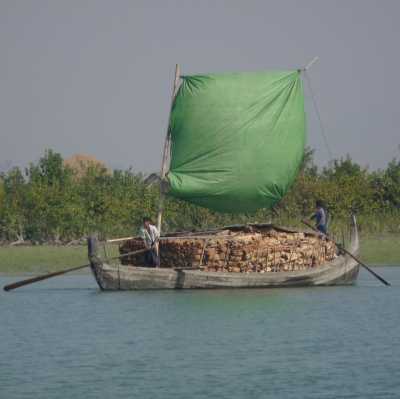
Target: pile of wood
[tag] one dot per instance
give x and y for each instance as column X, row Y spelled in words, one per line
column 250, row 250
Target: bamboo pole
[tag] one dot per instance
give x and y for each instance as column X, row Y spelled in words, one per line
column 166, row 238
column 120, row 239
column 308, row 66
column 166, row 151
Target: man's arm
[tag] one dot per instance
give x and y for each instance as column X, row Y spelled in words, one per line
column 142, row 234
column 156, row 233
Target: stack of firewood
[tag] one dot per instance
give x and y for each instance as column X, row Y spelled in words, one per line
column 261, row 251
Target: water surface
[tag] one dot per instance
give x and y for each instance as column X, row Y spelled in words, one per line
column 63, row 338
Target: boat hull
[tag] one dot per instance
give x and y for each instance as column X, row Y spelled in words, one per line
column 119, row 277
column 343, row 270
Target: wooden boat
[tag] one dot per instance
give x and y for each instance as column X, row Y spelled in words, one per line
column 235, row 153
column 234, row 143
column 343, row 270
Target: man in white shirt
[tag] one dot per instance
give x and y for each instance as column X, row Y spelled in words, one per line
column 150, row 236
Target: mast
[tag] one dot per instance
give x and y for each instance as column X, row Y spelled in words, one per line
column 166, row 151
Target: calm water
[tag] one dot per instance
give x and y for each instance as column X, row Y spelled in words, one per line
column 65, row 339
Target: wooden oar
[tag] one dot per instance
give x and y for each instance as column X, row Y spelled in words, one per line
column 21, row 283
column 32, row 280
column 381, row 279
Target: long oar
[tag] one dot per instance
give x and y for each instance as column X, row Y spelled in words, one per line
column 31, row 280
column 381, row 279
column 21, row 283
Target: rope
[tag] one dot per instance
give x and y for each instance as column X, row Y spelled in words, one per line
column 105, row 251
column 257, row 255
column 228, row 253
column 322, row 127
column 119, row 279
column 202, row 253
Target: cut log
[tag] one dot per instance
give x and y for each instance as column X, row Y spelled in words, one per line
column 250, row 250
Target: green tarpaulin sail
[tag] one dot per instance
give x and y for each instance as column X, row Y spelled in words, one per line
column 237, row 139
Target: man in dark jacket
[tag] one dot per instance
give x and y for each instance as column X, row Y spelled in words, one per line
column 320, row 217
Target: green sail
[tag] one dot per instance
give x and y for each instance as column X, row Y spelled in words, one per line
column 237, row 139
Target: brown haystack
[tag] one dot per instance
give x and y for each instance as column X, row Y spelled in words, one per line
column 79, row 163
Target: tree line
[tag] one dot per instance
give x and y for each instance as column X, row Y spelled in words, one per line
column 50, row 202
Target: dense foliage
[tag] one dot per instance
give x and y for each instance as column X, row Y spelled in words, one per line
column 48, row 201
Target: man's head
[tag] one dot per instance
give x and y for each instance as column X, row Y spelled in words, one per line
column 146, row 222
column 319, row 204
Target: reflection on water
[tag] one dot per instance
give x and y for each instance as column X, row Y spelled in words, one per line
column 64, row 338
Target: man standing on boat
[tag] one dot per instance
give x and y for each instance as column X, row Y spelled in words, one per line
column 150, row 236
column 320, row 217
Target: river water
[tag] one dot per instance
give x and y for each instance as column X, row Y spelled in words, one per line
column 63, row 338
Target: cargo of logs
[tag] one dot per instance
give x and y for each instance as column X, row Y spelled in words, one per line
column 261, row 250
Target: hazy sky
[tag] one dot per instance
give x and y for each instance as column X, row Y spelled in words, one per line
column 95, row 76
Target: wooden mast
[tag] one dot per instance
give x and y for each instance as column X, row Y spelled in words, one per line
column 166, row 150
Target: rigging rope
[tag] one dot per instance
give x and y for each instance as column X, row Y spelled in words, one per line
column 322, row 127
